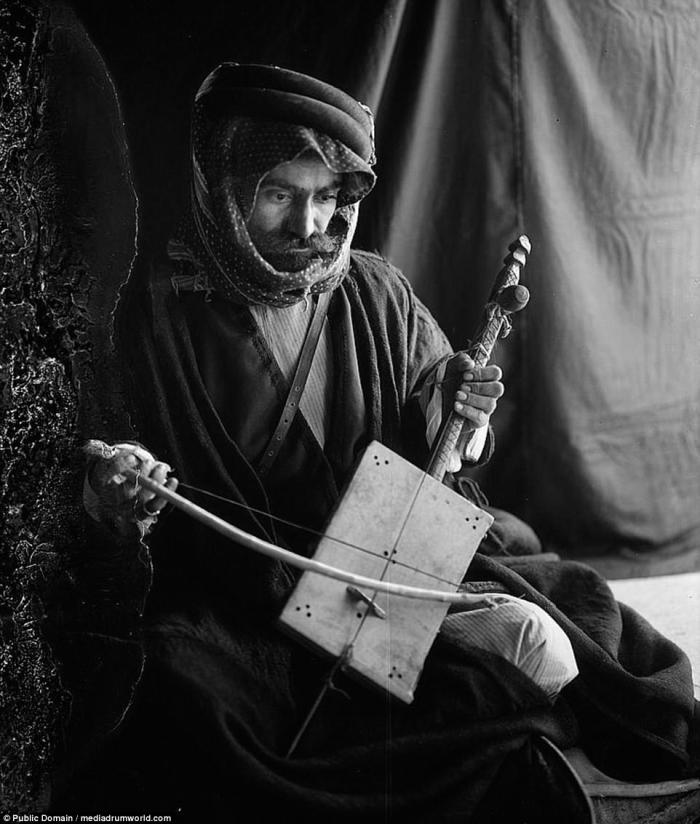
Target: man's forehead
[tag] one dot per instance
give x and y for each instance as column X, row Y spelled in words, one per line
column 306, row 172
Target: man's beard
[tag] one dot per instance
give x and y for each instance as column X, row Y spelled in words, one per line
column 288, row 253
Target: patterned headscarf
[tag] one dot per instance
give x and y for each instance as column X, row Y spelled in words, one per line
column 231, row 153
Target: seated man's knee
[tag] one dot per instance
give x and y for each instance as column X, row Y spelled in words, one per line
column 522, row 633
column 509, row 536
column 542, row 649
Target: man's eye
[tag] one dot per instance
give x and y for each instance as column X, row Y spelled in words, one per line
column 277, row 195
column 328, row 197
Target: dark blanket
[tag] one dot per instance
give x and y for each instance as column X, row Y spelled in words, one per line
column 223, row 691
column 633, row 698
column 222, row 699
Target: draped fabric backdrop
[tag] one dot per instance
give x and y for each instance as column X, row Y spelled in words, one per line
column 574, row 122
column 610, row 95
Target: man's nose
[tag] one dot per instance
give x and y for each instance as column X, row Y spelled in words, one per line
column 302, row 220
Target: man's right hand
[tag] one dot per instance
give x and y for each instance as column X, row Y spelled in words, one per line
column 113, row 497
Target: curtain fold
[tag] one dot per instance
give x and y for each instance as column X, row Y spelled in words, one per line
column 612, row 201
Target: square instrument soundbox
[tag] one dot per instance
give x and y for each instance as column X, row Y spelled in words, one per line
column 394, row 523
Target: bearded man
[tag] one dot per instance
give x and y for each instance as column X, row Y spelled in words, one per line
column 264, row 356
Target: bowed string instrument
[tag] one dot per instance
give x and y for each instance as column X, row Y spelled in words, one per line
column 396, row 531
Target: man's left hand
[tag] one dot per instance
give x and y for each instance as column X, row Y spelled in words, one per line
column 479, row 389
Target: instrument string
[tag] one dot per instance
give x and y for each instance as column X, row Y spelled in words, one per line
column 320, row 534
column 391, row 560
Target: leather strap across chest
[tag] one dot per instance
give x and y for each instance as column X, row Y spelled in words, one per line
column 298, row 383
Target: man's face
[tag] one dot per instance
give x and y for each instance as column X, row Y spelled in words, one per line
column 293, row 207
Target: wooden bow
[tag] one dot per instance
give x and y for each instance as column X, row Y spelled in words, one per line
column 244, row 538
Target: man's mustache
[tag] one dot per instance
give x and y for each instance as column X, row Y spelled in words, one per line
column 279, row 243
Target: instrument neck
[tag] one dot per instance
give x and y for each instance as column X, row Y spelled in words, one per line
column 451, row 429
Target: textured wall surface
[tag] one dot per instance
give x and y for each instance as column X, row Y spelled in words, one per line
column 60, row 265
column 39, row 407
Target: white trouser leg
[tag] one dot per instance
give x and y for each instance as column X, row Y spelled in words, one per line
column 523, row 634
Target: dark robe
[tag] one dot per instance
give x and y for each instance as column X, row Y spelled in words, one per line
column 224, row 692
